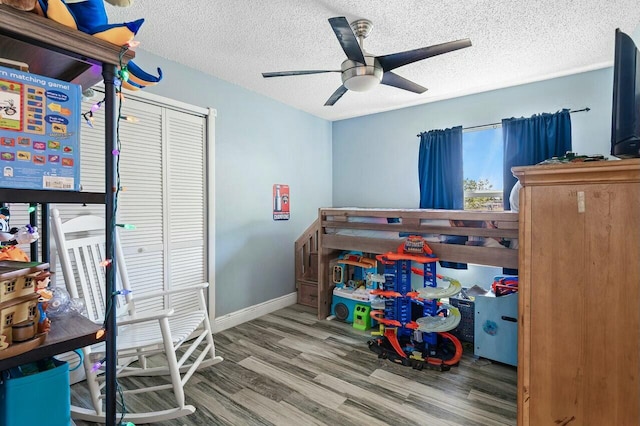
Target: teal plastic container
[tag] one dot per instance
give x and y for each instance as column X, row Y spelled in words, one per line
column 32, row 397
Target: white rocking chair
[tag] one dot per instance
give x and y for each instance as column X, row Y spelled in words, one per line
column 80, row 245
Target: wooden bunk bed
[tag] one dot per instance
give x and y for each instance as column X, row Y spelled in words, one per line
column 376, row 231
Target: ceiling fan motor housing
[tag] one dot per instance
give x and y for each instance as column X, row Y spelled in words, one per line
column 361, row 77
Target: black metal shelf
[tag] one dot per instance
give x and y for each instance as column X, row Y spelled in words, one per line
column 53, row 50
column 48, row 196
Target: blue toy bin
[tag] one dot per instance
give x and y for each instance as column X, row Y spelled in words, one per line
column 36, row 397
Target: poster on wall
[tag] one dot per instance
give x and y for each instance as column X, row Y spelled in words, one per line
column 280, row 202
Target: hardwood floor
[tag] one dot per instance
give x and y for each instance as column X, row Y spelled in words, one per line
column 288, row 368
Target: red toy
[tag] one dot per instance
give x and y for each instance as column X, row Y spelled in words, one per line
column 504, row 285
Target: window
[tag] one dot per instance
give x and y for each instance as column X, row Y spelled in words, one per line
column 32, row 311
column 28, row 282
column 482, row 169
column 8, row 320
column 10, row 287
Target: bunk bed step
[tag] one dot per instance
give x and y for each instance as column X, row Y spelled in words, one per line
column 311, row 273
column 307, row 292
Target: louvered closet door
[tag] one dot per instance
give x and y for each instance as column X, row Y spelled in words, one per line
column 141, row 201
column 186, row 208
column 162, row 173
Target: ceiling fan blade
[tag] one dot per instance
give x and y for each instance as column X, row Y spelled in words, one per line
column 392, row 79
column 336, row 95
column 395, row 60
column 288, row 73
column 347, row 39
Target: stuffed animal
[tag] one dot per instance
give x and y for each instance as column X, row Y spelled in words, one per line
column 90, row 16
column 25, row 235
column 120, row 3
column 25, row 5
column 28, row 5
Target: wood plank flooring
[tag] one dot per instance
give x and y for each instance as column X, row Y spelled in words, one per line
column 288, row 368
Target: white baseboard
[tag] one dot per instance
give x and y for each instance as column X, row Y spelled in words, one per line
column 252, row 312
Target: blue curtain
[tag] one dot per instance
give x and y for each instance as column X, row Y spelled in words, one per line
column 440, row 169
column 440, row 176
column 528, row 141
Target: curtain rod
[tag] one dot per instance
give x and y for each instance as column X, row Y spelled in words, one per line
column 586, row 109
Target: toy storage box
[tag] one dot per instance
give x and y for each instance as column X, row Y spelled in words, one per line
column 39, row 132
column 496, row 328
column 42, row 398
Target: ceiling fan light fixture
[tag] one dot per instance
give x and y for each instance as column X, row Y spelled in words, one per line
column 359, row 77
column 361, row 83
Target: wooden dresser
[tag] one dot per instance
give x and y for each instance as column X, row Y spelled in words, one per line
column 579, row 305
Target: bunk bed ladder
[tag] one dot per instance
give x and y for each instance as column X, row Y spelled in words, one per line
column 306, row 265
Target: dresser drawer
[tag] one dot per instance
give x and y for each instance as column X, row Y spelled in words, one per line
column 308, row 293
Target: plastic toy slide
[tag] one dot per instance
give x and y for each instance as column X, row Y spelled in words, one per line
column 437, row 323
column 440, row 292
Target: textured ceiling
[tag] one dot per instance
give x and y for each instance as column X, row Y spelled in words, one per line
column 514, row 42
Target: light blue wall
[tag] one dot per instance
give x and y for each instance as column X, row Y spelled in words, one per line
column 368, row 161
column 259, row 142
column 375, row 157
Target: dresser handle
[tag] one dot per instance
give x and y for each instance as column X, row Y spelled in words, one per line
column 512, row 319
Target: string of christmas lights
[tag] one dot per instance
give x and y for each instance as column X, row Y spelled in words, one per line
column 122, row 76
column 89, row 115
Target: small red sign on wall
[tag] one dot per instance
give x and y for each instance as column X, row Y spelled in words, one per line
column 280, row 202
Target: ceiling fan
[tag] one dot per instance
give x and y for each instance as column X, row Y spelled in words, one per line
column 362, row 71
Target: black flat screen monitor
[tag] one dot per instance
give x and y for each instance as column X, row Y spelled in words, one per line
column 625, row 123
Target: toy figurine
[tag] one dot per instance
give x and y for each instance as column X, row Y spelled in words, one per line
column 42, row 288
column 25, row 235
